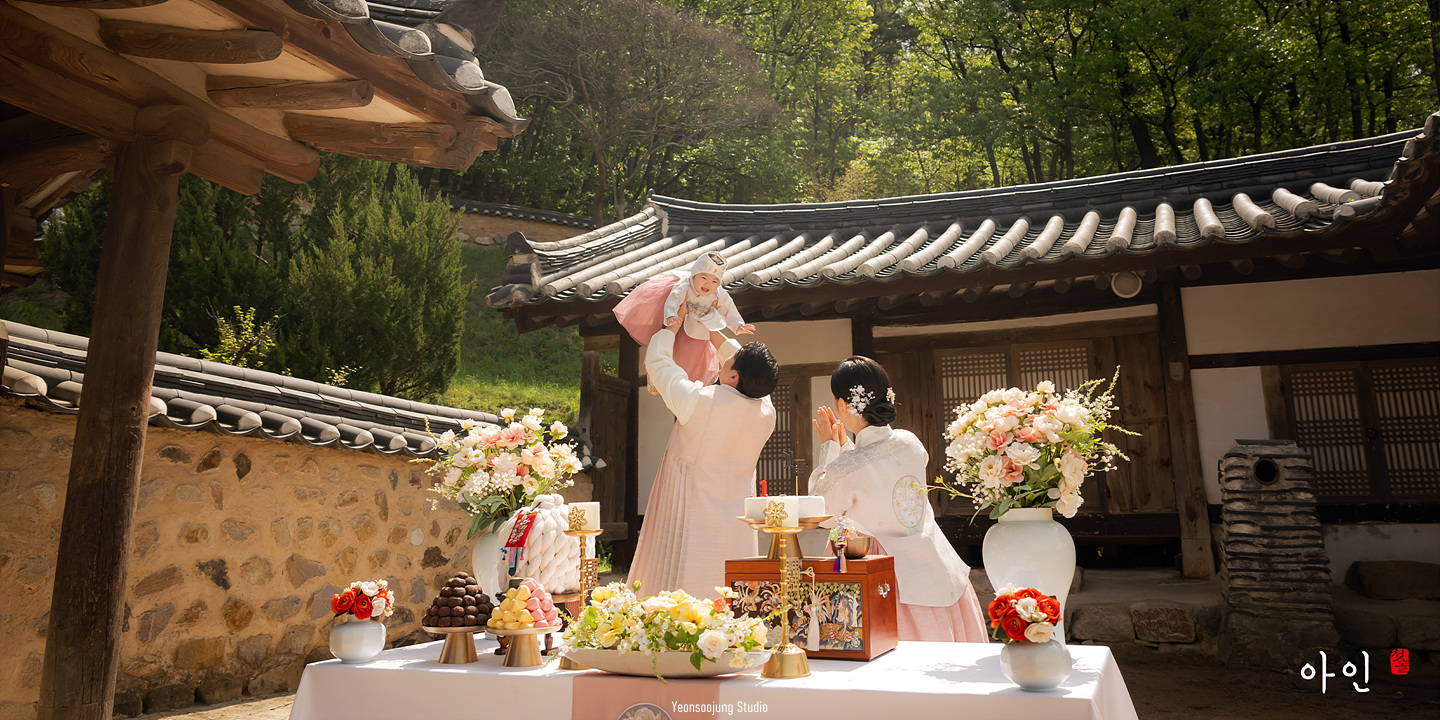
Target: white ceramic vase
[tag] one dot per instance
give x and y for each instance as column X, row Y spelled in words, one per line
column 1027, row 548
column 357, row 641
column 1037, row 667
column 487, row 563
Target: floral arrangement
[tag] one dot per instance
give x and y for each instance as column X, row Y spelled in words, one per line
column 494, row 472
column 364, row 599
column 617, row 619
column 1013, row 448
column 1024, row 615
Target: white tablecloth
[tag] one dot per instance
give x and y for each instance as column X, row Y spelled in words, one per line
column 916, row 680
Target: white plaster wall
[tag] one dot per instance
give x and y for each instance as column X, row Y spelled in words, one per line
column 1229, row 405
column 1376, row 541
column 792, row 343
column 656, row 421
column 1323, row 312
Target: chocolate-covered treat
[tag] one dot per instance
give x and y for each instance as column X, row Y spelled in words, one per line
column 460, row 603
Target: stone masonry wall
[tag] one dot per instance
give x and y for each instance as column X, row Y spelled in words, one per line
column 492, row 229
column 239, row 544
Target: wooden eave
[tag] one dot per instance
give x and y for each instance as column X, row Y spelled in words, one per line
column 83, row 69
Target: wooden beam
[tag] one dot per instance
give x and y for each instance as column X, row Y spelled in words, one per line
column 60, row 76
column 251, row 92
column 1018, row 290
column 229, row 168
column 98, row 4
column 1189, row 475
column 22, row 164
column 7, row 212
column 341, row 135
column 862, row 335
column 1010, row 336
column 1063, row 285
column 82, row 643
column 163, row 42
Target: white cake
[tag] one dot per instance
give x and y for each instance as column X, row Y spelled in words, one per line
column 810, row 505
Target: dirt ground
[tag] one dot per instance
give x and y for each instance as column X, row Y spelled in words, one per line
column 1163, row 687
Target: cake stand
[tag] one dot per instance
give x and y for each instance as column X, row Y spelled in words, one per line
column 779, row 548
column 523, row 648
column 459, row 647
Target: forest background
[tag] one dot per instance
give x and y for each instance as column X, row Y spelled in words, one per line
column 357, row 277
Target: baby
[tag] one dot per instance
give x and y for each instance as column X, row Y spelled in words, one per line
column 693, row 304
column 704, row 308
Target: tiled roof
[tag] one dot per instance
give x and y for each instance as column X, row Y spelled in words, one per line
column 47, row 369
column 522, row 213
column 1291, row 194
column 415, row 31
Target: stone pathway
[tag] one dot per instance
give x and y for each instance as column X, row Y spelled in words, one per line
column 270, row 707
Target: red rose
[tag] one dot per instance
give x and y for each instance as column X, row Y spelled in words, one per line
column 998, row 607
column 1012, row 624
column 1023, row 593
column 364, row 606
column 1050, row 606
column 341, row 604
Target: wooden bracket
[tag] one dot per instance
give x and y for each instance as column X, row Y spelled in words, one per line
column 172, row 133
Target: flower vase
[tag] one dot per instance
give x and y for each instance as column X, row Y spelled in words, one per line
column 487, row 563
column 1036, row 667
column 1027, row 548
column 357, row 641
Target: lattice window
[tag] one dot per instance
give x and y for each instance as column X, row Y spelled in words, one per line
column 1407, row 402
column 1373, row 428
column 965, row 375
column 777, row 458
column 1068, row 365
column 1328, row 424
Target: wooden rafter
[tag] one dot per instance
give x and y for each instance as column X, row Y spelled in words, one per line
column 251, row 92
column 339, row 134
column 99, row 4
column 226, row 47
column 90, row 88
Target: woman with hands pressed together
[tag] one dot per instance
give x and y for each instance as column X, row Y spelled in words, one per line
column 877, row 481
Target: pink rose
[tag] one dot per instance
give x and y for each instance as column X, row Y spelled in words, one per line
column 1030, row 435
column 1013, row 473
column 511, row 437
column 997, row 440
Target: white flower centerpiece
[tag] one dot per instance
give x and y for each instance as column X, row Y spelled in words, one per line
column 494, row 472
column 667, row 626
column 1024, row 455
column 1031, row 449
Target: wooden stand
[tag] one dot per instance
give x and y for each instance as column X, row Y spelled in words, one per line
column 873, row 578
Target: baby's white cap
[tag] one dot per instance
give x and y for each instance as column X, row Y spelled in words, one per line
column 710, row 262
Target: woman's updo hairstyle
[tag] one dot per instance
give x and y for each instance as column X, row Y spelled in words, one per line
column 866, row 373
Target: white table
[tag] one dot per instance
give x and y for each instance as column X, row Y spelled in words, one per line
column 916, row 680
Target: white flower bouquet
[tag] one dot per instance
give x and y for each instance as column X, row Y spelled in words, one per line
column 673, row 621
column 1031, row 449
column 493, row 472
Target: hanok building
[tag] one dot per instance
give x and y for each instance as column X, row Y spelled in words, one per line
column 1293, row 294
column 228, row 90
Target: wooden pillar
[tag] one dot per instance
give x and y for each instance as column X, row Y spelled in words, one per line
column 630, row 372
column 83, row 645
column 862, row 334
column 7, row 207
column 1190, row 503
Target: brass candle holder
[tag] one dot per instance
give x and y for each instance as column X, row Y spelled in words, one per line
column 778, row 547
column 788, row 659
column 588, row 579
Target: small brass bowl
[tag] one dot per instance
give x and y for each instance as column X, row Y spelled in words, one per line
column 856, row 548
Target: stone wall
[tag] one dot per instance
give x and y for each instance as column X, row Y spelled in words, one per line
column 492, row 229
column 238, row 545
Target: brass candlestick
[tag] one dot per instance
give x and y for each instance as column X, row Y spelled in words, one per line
column 788, row 660
column 588, row 578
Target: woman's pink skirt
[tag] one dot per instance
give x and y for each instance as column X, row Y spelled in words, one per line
column 961, row 622
column 642, row 314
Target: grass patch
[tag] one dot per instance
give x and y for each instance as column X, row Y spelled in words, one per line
column 501, row 368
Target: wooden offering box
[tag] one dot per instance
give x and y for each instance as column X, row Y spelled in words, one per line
column 857, row 608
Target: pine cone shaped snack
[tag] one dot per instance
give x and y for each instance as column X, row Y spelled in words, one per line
column 461, row 603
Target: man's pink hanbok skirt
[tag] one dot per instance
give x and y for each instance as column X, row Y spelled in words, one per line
column 642, row 313
column 962, row 622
